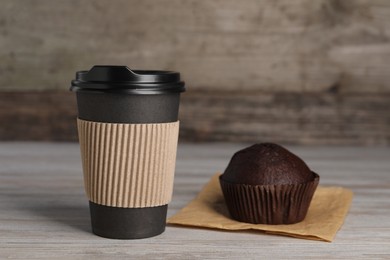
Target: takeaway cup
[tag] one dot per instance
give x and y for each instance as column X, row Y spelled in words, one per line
column 128, row 130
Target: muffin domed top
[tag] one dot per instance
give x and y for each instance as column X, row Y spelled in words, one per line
column 266, row 164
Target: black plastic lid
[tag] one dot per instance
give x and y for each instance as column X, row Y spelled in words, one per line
column 120, row 79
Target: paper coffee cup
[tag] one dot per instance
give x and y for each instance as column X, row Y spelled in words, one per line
column 128, row 130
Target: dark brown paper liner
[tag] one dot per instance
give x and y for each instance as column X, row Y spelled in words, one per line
column 268, row 204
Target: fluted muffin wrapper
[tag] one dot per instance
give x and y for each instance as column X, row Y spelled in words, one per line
column 269, row 204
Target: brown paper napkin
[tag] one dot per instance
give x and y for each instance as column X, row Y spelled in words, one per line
column 326, row 214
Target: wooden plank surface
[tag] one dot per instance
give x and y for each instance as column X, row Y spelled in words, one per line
column 299, row 46
column 296, row 72
column 44, row 211
column 311, row 118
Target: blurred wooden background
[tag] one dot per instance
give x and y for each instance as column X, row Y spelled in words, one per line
column 302, row 71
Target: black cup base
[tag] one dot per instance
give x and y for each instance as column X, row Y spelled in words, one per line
column 127, row 223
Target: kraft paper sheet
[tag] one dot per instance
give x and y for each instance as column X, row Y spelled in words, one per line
column 326, row 214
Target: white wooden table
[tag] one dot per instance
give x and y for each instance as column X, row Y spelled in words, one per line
column 44, row 211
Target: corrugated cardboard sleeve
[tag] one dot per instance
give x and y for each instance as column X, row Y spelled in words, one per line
column 128, row 165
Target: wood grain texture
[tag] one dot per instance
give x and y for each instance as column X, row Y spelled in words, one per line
column 300, row 45
column 44, row 210
column 311, row 118
column 49, row 115
column 286, row 118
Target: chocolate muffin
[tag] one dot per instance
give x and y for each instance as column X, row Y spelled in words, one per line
column 267, row 184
